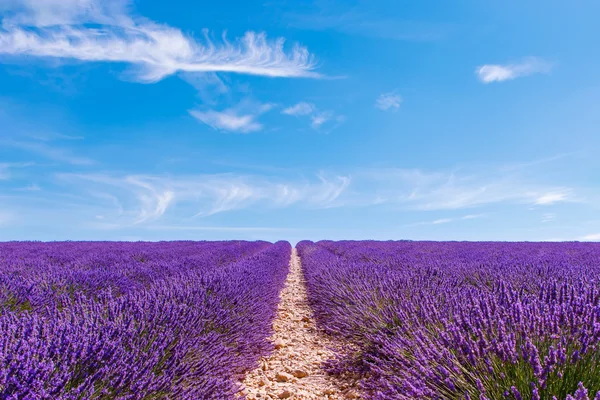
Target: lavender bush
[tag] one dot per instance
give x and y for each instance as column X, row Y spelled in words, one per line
column 173, row 320
column 429, row 320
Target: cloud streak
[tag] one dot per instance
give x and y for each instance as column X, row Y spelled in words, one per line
column 228, row 120
column 388, row 102
column 137, row 199
column 89, row 31
column 427, row 191
column 300, row 109
column 320, row 118
column 241, row 119
column 552, row 197
column 489, row 73
column 442, row 221
column 317, row 117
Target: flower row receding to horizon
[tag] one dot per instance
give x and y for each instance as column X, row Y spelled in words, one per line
column 435, row 320
column 169, row 320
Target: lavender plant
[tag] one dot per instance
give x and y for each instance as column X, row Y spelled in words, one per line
column 429, row 320
column 172, row 320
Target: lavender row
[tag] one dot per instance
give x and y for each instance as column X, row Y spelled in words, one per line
column 37, row 276
column 141, row 321
column 427, row 320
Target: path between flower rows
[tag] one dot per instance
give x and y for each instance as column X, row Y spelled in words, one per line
column 294, row 369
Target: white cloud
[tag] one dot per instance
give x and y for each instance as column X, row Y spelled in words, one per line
column 594, row 237
column 237, row 119
column 497, row 73
column 552, row 197
column 320, row 118
column 136, row 199
column 229, row 196
column 153, row 201
column 63, row 12
column 152, row 197
column 534, row 163
column 219, row 228
column 210, row 85
column 388, row 102
column 473, row 216
column 317, row 117
column 228, row 120
column 300, row 109
column 422, row 190
column 61, row 30
column 444, row 220
column 329, row 190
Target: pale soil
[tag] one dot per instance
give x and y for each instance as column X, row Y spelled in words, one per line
column 294, row 369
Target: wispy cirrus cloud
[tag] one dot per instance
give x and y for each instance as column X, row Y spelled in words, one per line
column 388, row 101
column 318, row 118
column 210, row 86
column 228, row 120
column 137, row 199
column 473, row 216
column 535, row 163
column 105, row 31
column 242, row 119
column 128, row 200
column 441, row 221
column 299, row 109
column 438, row 190
column 552, row 197
column 235, row 229
column 489, row 73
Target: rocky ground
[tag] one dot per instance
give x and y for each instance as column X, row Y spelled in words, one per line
column 294, row 369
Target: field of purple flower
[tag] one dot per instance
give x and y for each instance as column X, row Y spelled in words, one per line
column 135, row 320
column 429, row 320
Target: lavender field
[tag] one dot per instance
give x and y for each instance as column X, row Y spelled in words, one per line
column 434, row 320
column 176, row 320
column 189, row 320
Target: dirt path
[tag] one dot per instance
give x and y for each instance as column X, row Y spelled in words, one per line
column 294, row 371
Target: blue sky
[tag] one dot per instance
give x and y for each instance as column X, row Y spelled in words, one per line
column 438, row 120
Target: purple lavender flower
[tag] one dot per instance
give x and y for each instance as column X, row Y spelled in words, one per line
column 135, row 320
column 447, row 318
